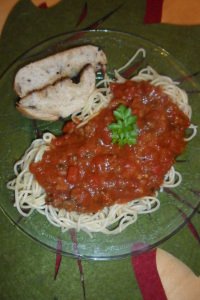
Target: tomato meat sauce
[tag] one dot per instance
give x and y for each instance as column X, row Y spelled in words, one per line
column 84, row 171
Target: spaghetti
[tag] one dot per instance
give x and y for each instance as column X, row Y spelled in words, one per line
column 30, row 196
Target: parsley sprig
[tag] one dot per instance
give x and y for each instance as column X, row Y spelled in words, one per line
column 125, row 130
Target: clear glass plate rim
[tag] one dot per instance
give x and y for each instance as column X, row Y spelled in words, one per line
column 95, row 31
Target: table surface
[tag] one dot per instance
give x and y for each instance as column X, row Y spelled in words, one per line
column 27, row 269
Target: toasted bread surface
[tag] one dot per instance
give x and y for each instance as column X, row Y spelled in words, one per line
column 61, row 99
column 42, row 73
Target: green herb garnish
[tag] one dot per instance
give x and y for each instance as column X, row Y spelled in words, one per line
column 124, row 131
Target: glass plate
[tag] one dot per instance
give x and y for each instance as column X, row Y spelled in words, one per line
column 17, row 132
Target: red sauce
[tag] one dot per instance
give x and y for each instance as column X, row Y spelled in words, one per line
column 83, row 171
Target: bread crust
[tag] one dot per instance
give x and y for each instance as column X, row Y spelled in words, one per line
column 59, row 100
column 42, row 73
